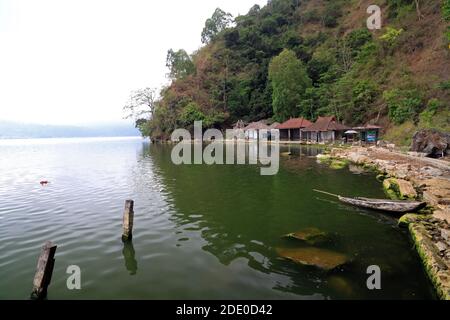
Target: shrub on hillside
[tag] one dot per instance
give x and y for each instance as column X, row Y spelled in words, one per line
column 446, row 9
column 427, row 115
column 403, row 105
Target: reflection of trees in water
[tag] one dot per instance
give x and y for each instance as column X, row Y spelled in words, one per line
column 223, row 204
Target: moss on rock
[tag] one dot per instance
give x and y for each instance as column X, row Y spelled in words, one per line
column 409, row 218
column 309, row 235
column 324, row 158
column 338, row 164
column 435, row 267
column 391, row 188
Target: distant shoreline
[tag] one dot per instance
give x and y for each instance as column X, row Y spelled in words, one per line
column 74, row 138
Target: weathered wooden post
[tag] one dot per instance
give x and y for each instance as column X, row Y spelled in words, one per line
column 128, row 218
column 44, row 271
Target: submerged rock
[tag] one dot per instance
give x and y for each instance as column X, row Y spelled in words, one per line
column 310, row 235
column 341, row 286
column 319, row 258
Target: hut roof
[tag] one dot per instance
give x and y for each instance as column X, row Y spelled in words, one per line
column 368, row 127
column 297, row 123
column 274, row 125
column 326, row 124
column 257, row 125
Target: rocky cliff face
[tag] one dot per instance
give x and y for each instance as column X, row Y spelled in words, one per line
column 433, row 143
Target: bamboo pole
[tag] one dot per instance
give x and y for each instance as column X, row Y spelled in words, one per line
column 327, row 193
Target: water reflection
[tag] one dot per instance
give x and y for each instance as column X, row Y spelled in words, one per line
column 239, row 213
column 242, row 216
column 129, row 255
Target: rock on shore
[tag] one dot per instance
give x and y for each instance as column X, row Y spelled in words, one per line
column 432, row 143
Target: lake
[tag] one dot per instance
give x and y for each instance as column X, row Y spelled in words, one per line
column 201, row 232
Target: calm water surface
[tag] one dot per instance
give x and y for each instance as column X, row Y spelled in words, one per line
column 201, row 232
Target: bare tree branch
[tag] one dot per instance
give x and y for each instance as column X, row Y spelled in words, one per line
column 141, row 104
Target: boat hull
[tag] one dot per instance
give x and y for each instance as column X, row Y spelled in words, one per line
column 384, row 205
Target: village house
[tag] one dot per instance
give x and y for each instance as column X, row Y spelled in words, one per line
column 292, row 130
column 253, row 130
column 325, row 129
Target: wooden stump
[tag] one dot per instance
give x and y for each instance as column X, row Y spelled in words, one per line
column 128, row 218
column 44, row 271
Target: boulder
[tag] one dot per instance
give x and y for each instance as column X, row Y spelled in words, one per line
column 406, row 189
column 399, row 188
column 319, row 258
column 432, row 142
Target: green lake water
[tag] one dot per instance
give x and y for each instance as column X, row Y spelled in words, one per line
column 201, row 232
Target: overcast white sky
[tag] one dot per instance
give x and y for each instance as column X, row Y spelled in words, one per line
column 75, row 61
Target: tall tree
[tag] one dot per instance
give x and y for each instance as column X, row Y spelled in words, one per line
column 179, row 63
column 219, row 21
column 289, row 82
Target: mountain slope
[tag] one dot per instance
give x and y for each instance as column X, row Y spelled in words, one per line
column 398, row 76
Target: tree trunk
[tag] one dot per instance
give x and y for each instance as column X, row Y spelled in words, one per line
column 419, row 13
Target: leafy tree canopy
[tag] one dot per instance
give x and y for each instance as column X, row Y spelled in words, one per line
column 219, row 21
column 179, row 63
column 289, row 82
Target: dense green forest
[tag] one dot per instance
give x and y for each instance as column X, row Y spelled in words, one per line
column 309, row 58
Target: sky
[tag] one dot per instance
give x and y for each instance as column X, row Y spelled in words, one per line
column 76, row 61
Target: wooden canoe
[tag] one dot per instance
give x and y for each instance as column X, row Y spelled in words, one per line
column 397, row 206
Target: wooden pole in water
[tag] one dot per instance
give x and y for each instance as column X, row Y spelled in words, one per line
column 44, row 271
column 327, row 193
column 128, row 218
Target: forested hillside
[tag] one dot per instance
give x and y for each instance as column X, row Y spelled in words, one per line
column 310, row 58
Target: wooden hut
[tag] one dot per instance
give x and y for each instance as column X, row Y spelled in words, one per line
column 325, row 129
column 292, row 130
column 369, row 133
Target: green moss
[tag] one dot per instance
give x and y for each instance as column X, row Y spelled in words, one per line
column 391, row 189
column 370, row 167
column 409, row 218
column 338, row 164
column 428, row 210
column 324, row 158
column 435, row 268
